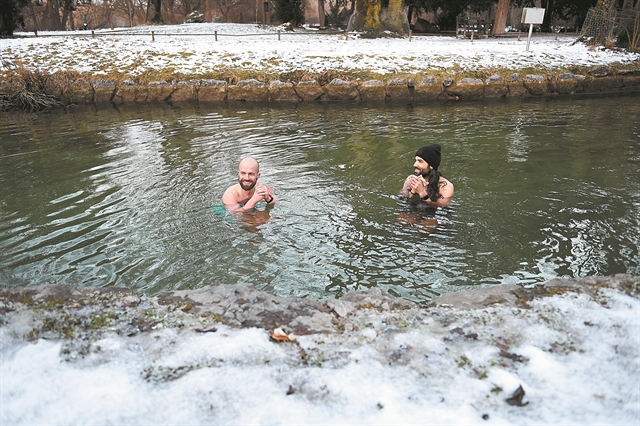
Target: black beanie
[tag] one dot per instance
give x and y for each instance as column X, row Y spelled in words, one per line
column 430, row 154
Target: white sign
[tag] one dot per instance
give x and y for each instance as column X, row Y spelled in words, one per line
column 532, row 15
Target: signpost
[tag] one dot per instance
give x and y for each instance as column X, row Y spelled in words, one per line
column 532, row 16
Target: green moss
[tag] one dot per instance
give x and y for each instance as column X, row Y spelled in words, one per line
column 464, row 361
column 102, row 320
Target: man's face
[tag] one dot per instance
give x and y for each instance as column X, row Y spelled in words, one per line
column 421, row 167
column 248, row 176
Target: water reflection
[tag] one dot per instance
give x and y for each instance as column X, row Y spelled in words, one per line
column 128, row 196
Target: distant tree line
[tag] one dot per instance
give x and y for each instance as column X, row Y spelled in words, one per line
column 394, row 15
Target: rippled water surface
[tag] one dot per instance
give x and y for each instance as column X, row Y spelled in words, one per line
column 131, row 197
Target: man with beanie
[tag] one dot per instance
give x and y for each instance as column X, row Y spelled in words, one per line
column 427, row 185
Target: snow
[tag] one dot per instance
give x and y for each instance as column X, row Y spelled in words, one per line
column 577, row 359
column 192, row 49
column 575, row 356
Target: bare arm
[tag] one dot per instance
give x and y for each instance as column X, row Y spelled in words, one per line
column 417, row 185
column 446, row 192
column 233, row 200
column 406, row 187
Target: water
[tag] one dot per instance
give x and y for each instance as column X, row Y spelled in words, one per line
column 131, row 197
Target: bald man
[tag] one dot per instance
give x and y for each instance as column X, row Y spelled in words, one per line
column 244, row 195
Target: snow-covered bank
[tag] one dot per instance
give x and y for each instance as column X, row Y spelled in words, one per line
column 209, row 49
column 73, row 356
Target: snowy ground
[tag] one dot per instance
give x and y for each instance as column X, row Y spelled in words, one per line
column 192, row 49
column 575, row 355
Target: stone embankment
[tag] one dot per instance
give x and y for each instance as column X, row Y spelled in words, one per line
column 67, row 312
column 420, row 90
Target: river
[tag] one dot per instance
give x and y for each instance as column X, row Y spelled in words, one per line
column 130, row 196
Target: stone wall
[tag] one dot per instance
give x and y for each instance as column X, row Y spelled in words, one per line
column 419, row 90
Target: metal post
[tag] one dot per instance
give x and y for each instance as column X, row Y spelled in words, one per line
column 519, row 33
column 278, row 35
column 153, row 36
column 410, row 32
column 216, row 35
column 346, row 35
column 93, row 34
column 529, row 38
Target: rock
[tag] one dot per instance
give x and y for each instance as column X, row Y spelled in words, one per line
column 397, row 90
column 283, row 92
column 427, row 89
column 103, row 90
column 516, row 85
column 159, row 91
column 250, row 90
column 211, row 91
column 536, row 84
column 480, row 298
column 342, row 308
column 341, row 90
column 567, row 83
column 185, row 91
column 372, row 90
column 377, row 298
column 496, row 87
column 466, row 88
column 129, row 91
column 63, row 311
column 309, row 91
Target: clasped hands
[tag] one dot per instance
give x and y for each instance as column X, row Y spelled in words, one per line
column 417, row 185
column 262, row 192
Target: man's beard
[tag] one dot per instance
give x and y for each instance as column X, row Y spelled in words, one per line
column 248, row 187
column 419, row 172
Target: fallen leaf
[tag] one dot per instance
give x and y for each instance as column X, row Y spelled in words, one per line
column 516, row 398
column 205, row 330
column 291, row 390
column 279, row 335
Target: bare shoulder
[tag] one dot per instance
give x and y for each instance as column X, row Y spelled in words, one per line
column 446, row 187
column 230, row 196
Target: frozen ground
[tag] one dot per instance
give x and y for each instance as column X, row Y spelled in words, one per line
column 130, row 360
column 192, row 49
column 575, row 355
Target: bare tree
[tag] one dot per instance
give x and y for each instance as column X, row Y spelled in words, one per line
column 226, row 7
column 500, row 22
column 370, row 17
column 156, row 16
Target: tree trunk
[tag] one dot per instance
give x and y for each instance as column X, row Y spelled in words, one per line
column 34, row 16
column 366, row 16
column 6, row 19
column 393, row 20
column 51, row 18
column 546, row 23
column 157, row 11
column 598, row 27
column 321, row 13
column 500, row 23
